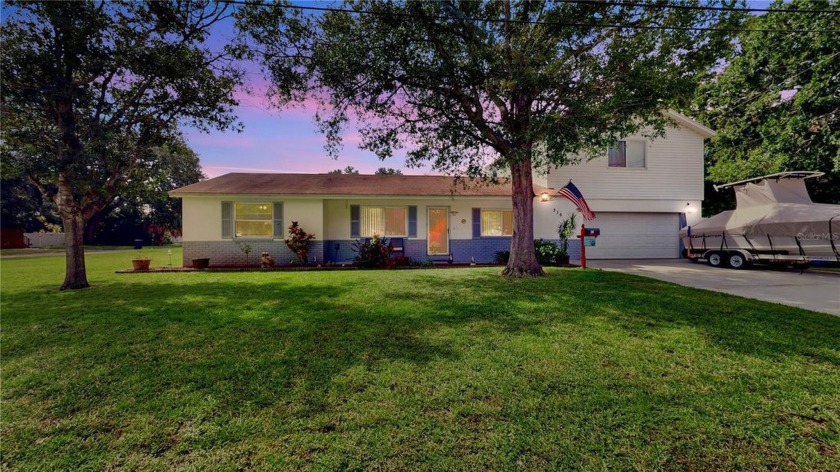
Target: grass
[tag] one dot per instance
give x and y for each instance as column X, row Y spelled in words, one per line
column 425, row 369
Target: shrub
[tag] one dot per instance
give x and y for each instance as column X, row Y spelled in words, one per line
column 401, row 261
column 502, row 257
column 547, row 252
column 565, row 230
column 298, row 242
column 373, row 254
column 423, row 264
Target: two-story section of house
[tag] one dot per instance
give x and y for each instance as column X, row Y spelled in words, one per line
column 642, row 191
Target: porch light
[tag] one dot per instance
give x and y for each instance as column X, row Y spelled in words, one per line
column 544, row 197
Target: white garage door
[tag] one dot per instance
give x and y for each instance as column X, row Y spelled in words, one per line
column 635, row 236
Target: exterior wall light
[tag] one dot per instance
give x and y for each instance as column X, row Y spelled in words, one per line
column 544, row 197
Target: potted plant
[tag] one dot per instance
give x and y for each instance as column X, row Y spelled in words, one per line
column 565, row 230
column 140, row 262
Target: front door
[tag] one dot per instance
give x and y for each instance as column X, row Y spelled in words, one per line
column 437, row 241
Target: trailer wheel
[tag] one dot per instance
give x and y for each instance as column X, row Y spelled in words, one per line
column 715, row 259
column 736, row 260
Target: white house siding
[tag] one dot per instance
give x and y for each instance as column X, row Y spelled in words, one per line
column 202, row 219
column 203, row 215
column 630, row 228
column 463, row 246
column 674, row 171
column 638, row 210
column 328, row 217
column 337, row 213
column 202, row 238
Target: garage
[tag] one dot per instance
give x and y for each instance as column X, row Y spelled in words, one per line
column 635, row 236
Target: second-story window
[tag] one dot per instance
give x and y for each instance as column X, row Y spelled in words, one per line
column 627, row 154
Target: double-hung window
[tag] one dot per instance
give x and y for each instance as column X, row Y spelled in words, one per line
column 496, row 222
column 630, row 154
column 253, row 220
column 383, row 221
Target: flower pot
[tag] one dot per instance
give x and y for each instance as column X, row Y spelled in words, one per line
column 562, row 260
column 141, row 264
column 201, row 263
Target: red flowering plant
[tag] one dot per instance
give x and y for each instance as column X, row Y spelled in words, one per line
column 373, row 254
column 298, row 242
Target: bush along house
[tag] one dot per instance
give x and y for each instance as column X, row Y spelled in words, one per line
column 642, row 192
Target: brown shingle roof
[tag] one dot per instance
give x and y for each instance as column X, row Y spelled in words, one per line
column 343, row 184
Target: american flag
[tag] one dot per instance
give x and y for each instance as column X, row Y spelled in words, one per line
column 572, row 193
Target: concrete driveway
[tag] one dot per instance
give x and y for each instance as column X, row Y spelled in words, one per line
column 817, row 291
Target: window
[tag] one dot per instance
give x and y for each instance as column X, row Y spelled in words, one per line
column 627, row 154
column 383, row 221
column 496, row 222
column 253, row 220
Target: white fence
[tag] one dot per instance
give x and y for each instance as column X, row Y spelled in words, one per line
column 43, row 239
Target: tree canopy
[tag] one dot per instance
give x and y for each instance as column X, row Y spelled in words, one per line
column 22, row 206
column 387, row 171
column 470, row 86
column 776, row 105
column 91, row 88
column 144, row 204
column 347, row 170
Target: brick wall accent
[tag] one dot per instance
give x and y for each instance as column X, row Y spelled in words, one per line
column 227, row 253
column 416, row 249
column 482, row 249
column 339, row 250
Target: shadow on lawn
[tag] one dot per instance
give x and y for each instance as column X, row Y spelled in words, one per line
column 244, row 344
column 388, row 314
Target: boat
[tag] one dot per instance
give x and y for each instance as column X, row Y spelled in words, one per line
column 774, row 222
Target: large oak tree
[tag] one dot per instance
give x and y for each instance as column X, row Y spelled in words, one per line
column 474, row 86
column 90, row 88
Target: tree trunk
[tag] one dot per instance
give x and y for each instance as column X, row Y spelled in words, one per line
column 74, row 232
column 92, row 226
column 523, row 257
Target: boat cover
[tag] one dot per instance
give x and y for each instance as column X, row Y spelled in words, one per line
column 774, row 207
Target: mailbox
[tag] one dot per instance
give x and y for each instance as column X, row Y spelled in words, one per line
column 593, row 232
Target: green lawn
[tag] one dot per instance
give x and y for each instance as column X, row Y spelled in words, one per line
column 429, row 369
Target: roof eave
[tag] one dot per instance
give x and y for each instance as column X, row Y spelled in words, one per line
column 688, row 123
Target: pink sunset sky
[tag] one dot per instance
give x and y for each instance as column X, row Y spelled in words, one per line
column 274, row 140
